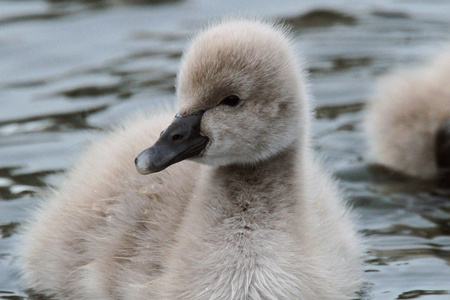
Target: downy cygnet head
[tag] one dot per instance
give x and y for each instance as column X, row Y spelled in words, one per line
column 241, row 99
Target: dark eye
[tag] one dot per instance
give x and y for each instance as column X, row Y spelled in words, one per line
column 232, row 100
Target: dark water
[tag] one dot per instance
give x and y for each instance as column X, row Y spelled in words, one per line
column 70, row 68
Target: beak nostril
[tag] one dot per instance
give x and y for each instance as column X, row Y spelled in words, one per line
column 177, row 137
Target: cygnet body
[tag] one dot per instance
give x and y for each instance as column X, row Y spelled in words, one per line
column 408, row 120
column 249, row 215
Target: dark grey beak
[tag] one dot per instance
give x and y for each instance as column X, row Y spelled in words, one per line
column 181, row 140
column 443, row 153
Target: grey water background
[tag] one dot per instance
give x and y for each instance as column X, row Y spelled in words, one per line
column 71, row 68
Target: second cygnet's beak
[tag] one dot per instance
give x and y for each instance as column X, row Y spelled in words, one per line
column 181, row 140
column 443, row 153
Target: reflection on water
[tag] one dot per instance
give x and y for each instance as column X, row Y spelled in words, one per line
column 320, row 18
column 68, row 68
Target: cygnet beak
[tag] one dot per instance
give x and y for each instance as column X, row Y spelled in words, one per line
column 181, row 140
column 443, row 153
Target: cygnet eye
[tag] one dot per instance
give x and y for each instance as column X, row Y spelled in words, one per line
column 231, row 100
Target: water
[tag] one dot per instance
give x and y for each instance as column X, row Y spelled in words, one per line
column 70, row 68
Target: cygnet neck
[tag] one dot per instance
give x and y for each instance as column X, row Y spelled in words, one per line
column 266, row 187
column 282, row 164
column 239, row 216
